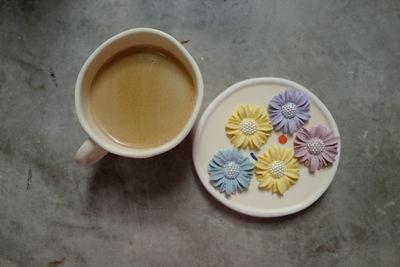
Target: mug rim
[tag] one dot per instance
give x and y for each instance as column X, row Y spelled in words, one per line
column 134, row 152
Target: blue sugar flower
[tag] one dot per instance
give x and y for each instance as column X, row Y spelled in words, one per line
column 230, row 171
column 289, row 110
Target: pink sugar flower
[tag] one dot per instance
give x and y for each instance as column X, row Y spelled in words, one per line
column 316, row 148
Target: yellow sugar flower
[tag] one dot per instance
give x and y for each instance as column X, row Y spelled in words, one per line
column 249, row 126
column 277, row 169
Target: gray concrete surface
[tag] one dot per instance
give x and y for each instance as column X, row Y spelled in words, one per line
column 126, row 212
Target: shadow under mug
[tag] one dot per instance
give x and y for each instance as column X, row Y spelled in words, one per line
column 98, row 144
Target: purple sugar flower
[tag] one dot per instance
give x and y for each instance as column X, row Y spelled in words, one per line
column 289, row 110
column 316, row 148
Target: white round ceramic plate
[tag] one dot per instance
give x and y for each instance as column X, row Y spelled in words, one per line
column 210, row 137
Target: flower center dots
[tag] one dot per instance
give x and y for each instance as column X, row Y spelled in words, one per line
column 231, row 170
column 289, row 110
column 315, row 146
column 248, row 126
column 277, row 169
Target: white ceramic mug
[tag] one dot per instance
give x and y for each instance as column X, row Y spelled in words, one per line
column 98, row 144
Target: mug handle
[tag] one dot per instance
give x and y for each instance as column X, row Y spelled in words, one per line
column 89, row 153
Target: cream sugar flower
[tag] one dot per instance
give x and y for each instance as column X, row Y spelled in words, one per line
column 248, row 126
column 277, row 169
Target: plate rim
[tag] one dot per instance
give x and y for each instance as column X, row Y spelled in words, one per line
column 200, row 129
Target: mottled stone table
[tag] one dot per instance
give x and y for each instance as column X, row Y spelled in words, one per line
column 154, row 212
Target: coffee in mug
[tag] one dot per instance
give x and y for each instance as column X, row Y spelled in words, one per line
column 142, row 97
column 137, row 95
